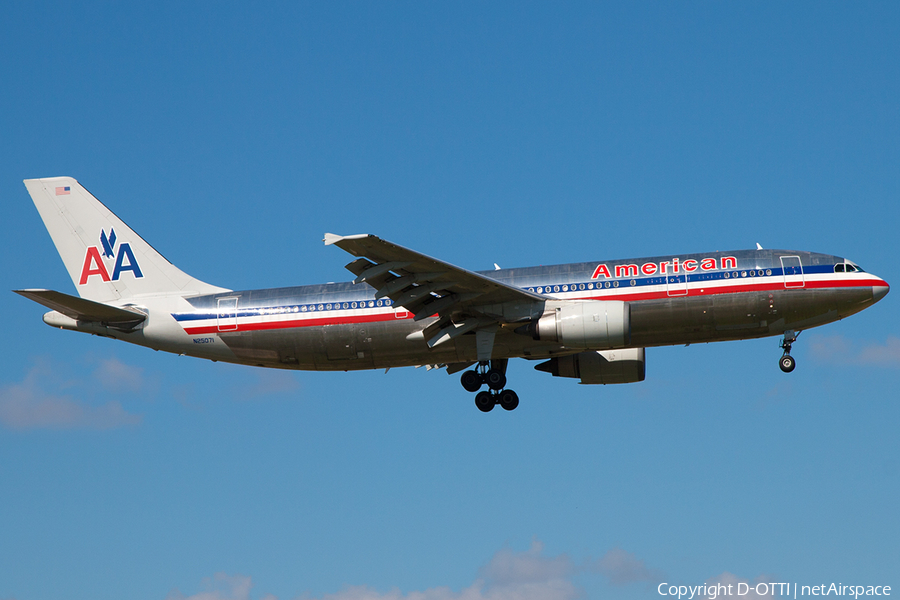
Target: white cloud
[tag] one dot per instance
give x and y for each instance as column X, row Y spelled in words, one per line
column 366, row 593
column 116, row 376
column 840, row 350
column 508, row 575
column 887, row 354
column 40, row 401
column 624, row 567
column 221, row 587
column 508, row 566
column 269, row 382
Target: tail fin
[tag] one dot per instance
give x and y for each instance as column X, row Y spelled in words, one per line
column 106, row 260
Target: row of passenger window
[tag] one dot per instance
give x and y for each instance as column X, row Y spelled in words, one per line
column 302, row 308
column 576, row 287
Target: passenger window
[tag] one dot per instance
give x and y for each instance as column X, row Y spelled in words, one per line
column 839, row 268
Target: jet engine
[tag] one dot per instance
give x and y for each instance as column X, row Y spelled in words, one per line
column 590, row 324
column 605, row 366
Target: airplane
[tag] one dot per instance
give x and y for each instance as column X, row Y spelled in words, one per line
column 589, row 321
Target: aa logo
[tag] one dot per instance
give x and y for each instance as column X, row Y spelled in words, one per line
column 94, row 263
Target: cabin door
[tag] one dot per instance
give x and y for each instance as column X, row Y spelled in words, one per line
column 227, row 314
column 793, row 272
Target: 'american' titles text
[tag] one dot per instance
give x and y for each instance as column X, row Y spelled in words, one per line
column 674, row 265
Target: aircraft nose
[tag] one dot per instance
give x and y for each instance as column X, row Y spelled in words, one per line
column 880, row 291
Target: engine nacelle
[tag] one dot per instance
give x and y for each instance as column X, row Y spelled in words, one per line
column 588, row 324
column 605, row 366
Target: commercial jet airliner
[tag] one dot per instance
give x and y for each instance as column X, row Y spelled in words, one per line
column 589, row 321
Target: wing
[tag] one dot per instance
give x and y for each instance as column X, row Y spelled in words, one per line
column 462, row 300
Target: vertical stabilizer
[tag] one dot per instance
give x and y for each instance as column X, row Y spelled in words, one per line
column 106, row 260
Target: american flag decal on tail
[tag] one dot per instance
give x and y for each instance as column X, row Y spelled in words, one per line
column 63, row 191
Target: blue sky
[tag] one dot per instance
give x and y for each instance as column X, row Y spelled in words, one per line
column 232, row 137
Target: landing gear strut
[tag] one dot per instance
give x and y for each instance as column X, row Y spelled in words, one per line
column 787, row 362
column 493, row 374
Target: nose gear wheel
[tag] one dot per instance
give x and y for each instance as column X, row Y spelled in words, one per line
column 787, row 362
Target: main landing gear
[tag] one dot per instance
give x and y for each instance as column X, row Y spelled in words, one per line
column 494, row 375
column 787, row 362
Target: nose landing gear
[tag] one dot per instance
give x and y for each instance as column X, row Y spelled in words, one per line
column 493, row 374
column 787, row 362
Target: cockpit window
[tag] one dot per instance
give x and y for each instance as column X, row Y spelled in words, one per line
column 848, row 267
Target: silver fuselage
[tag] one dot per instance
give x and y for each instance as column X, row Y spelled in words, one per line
column 342, row 326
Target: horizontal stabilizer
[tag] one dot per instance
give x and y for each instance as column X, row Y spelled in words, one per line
column 83, row 310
